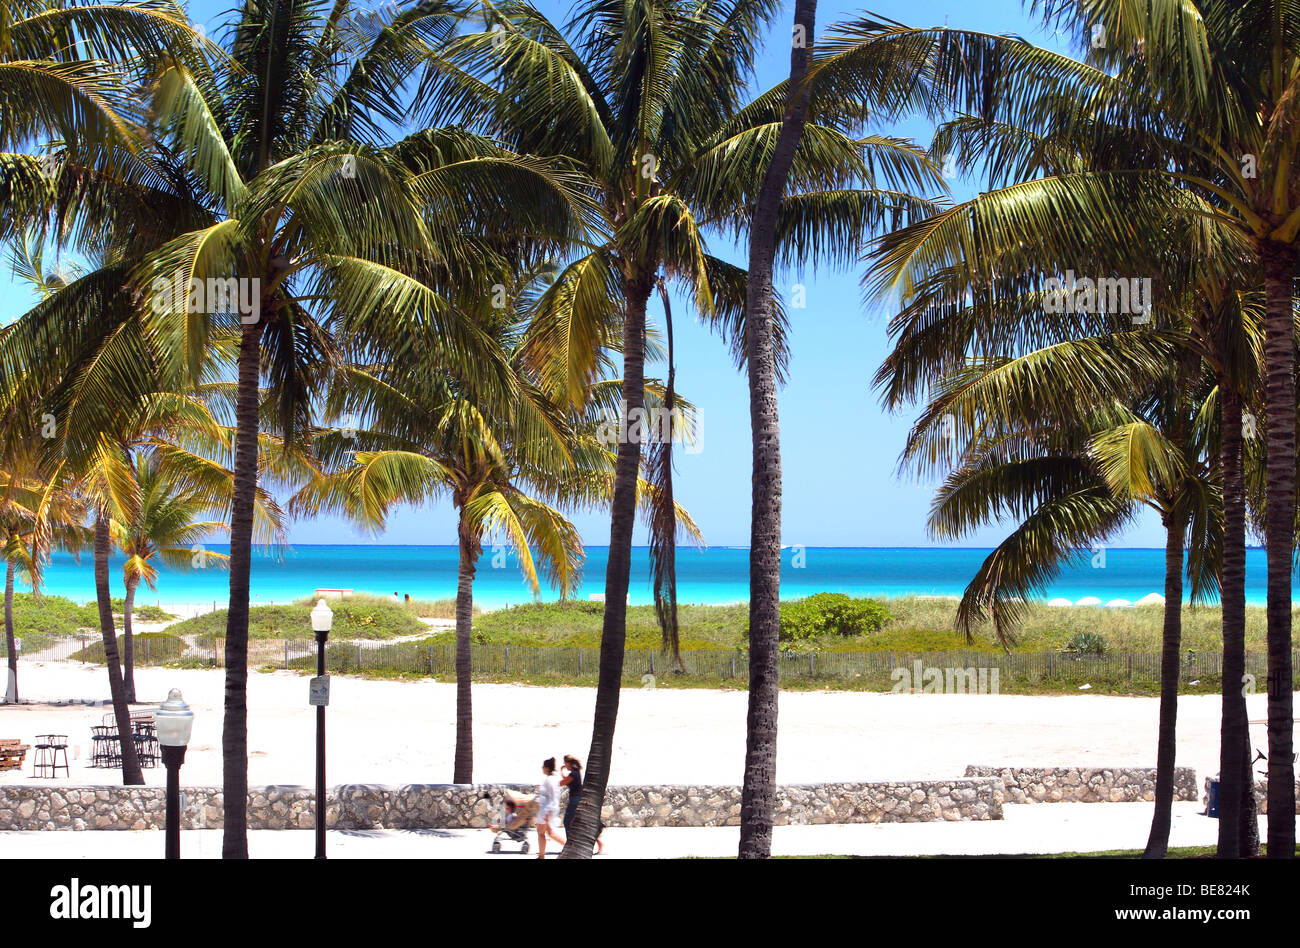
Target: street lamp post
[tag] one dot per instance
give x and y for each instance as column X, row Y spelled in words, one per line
column 322, row 617
column 174, row 720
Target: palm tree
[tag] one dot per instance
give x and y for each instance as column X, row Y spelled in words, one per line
column 1148, row 436
column 506, row 460
column 38, row 517
column 1225, row 69
column 646, row 98
column 105, row 480
column 430, row 437
column 270, row 174
column 67, row 70
column 165, row 527
column 1083, row 149
column 758, row 796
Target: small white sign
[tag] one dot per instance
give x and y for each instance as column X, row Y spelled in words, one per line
column 320, row 690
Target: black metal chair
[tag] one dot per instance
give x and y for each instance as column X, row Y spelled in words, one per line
column 106, row 751
column 48, row 747
column 41, row 762
column 146, row 744
column 59, row 745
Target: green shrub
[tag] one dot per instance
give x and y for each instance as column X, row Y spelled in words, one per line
column 1088, row 643
column 830, row 614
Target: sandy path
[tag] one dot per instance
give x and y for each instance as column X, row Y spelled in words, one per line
column 402, row 732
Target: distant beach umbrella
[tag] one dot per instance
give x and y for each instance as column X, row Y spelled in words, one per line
column 1151, row 599
column 1119, row 604
column 1089, row 601
column 1060, row 602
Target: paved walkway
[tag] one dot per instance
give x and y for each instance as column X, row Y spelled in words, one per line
column 1032, row 828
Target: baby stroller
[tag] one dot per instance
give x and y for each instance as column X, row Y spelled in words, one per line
column 517, row 816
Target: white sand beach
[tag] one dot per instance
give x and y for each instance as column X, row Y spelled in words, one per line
column 402, row 732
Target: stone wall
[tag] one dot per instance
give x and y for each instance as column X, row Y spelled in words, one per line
column 421, row 806
column 1084, row 784
column 1261, row 796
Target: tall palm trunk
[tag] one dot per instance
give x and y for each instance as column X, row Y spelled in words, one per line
column 1279, row 262
column 470, row 548
column 128, row 647
column 1248, row 826
column 11, row 646
column 758, row 797
column 1175, row 532
column 1232, row 592
column 582, row 836
column 131, row 774
column 234, row 735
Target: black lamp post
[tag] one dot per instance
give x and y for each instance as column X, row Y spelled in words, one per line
column 174, row 720
column 322, row 617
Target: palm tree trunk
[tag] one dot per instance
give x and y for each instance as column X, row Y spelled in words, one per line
column 1248, row 832
column 1232, row 593
column 582, row 837
column 758, row 797
column 131, row 774
column 128, row 648
column 11, row 647
column 234, row 736
column 469, row 552
column 1279, row 262
column 1158, row 840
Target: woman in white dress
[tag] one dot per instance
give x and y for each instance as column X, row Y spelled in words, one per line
column 548, row 807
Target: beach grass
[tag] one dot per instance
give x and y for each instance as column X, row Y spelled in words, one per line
column 41, row 620
column 152, row 648
column 360, row 617
column 916, row 624
column 420, row 608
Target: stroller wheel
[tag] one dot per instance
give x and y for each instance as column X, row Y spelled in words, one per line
column 496, row 845
column 524, row 848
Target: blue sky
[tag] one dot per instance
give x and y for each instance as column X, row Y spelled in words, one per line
column 839, row 448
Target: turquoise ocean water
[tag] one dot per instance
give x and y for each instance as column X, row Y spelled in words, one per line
column 715, row 575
